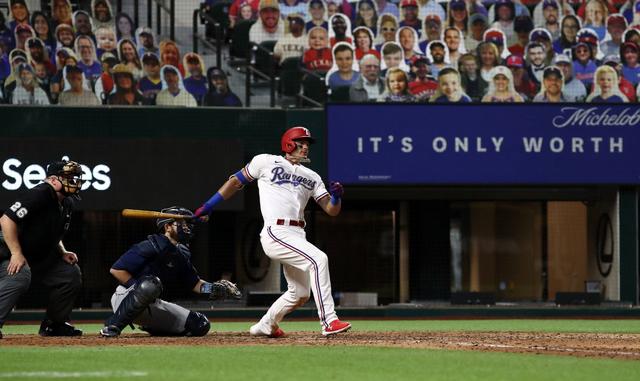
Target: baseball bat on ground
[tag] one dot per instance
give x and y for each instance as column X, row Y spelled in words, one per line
column 137, row 213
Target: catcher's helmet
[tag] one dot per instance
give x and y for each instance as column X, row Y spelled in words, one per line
column 69, row 173
column 288, row 141
column 185, row 229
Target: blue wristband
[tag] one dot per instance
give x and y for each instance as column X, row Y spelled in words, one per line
column 334, row 200
column 212, row 202
column 240, row 176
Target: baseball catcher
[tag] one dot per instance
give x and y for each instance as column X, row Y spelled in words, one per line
column 148, row 267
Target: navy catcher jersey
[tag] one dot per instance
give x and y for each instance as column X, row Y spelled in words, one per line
column 157, row 256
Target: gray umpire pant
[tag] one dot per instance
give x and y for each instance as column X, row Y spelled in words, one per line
column 160, row 318
column 62, row 279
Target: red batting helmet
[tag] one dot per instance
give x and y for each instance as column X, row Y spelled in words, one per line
column 287, row 142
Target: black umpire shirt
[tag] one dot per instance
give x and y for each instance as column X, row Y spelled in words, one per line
column 42, row 222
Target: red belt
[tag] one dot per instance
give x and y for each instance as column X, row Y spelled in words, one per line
column 290, row 222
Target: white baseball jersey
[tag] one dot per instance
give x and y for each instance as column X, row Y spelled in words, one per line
column 285, row 188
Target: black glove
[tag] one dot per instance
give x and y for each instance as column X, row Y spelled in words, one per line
column 222, row 289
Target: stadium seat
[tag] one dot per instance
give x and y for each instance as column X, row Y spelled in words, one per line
column 264, row 61
column 290, row 77
column 240, row 40
column 339, row 94
column 314, row 88
column 219, row 12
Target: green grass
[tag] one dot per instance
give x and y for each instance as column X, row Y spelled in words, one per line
column 525, row 325
column 322, row 362
column 306, row 363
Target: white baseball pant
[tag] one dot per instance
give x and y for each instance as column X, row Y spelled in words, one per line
column 305, row 267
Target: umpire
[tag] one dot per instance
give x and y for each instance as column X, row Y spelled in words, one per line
column 31, row 235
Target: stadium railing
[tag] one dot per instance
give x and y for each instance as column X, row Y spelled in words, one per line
column 201, row 17
column 169, row 7
column 261, row 66
column 136, row 10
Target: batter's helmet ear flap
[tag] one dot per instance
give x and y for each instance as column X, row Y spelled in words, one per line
column 288, row 144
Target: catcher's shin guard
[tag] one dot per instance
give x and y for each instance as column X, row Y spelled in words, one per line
column 196, row 325
column 145, row 292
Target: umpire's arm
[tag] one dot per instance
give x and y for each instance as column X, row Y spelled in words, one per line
column 10, row 233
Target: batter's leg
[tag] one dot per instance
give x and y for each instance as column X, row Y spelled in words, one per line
column 290, row 247
column 297, row 295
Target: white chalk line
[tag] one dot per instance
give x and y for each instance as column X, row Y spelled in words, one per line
column 545, row 348
column 55, row 374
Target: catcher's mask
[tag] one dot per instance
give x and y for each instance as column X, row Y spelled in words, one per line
column 69, row 173
column 184, row 227
column 288, row 142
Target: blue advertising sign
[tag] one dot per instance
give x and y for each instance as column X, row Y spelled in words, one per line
column 489, row 144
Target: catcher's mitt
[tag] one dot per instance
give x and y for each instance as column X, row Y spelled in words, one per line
column 223, row 289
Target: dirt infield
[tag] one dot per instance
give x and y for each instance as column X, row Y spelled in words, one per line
column 619, row 346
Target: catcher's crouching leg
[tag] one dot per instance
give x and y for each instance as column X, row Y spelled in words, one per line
column 144, row 293
column 196, row 325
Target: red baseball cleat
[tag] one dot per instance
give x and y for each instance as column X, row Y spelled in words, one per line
column 336, row 326
column 277, row 334
column 259, row 330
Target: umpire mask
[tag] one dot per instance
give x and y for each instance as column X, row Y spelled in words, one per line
column 69, row 173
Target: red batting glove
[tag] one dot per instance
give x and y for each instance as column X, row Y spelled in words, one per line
column 200, row 215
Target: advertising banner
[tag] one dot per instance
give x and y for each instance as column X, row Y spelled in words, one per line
column 488, row 144
column 126, row 173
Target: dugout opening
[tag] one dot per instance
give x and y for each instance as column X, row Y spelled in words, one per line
column 520, row 248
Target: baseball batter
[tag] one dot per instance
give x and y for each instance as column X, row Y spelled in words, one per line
column 285, row 186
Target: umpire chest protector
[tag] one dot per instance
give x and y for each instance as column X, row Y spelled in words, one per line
column 42, row 222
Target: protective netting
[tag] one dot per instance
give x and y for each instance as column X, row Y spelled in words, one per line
column 100, row 52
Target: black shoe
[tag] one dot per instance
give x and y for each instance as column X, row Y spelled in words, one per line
column 49, row 328
column 110, row 331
